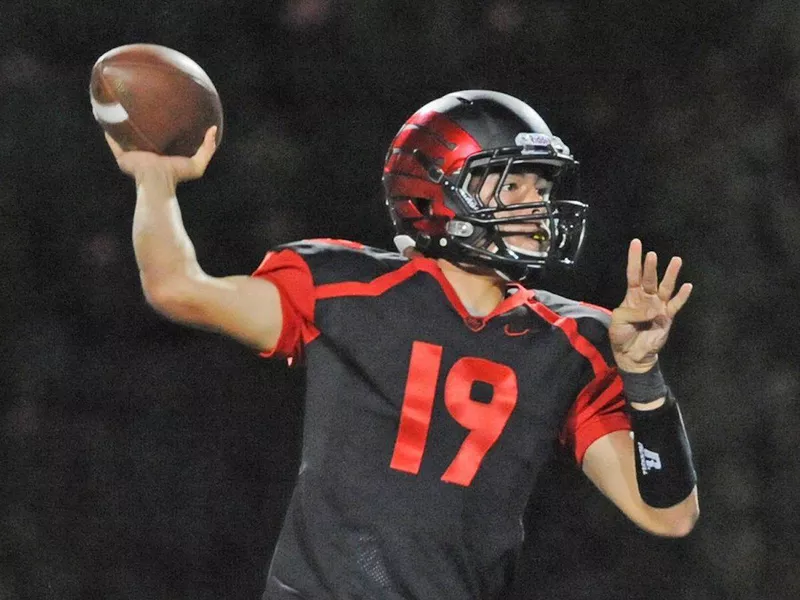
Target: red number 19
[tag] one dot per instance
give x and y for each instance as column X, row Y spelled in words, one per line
column 485, row 421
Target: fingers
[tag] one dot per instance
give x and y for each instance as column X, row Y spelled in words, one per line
column 650, row 273
column 115, row 147
column 646, row 275
column 206, row 150
column 186, row 169
column 674, row 305
column 179, row 168
column 123, row 161
column 667, row 286
column 634, row 270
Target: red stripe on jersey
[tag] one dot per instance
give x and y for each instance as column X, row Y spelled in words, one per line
column 598, row 408
column 376, row 287
column 570, row 328
column 421, row 264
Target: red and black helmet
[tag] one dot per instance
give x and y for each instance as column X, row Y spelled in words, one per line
column 454, row 142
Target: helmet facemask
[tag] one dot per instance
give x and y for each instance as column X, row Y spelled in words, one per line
column 516, row 239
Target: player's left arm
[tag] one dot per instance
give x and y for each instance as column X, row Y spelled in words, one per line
column 611, row 464
column 649, row 475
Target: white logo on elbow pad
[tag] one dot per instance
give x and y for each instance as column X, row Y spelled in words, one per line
column 650, row 460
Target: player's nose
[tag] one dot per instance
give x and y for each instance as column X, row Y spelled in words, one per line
column 533, row 195
column 530, row 195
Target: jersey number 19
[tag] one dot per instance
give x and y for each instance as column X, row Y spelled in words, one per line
column 484, row 420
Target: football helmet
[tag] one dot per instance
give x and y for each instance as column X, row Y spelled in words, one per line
column 444, row 177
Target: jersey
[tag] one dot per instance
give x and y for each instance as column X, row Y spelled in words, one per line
column 425, row 427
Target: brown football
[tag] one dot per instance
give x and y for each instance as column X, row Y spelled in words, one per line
column 153, row 98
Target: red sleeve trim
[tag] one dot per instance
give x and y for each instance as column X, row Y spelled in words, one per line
column 290, row 274
column 598, row 410
column 590, row 434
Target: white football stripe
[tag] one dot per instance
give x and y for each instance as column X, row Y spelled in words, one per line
column 109, row 113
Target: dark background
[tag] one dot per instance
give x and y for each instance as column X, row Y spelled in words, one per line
column 141, row 460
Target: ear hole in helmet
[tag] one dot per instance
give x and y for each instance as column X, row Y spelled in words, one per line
column 423, row 205
column 412, row 208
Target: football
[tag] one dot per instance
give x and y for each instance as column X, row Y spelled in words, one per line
column 152, row 98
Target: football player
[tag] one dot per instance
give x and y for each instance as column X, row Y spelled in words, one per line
column 439, row 380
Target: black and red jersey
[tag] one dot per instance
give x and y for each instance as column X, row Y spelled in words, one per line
column 425, row 427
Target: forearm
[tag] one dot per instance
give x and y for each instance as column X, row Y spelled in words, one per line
column 663, row 458
column 676, row 520
column 657, row 488
column 612, row 465
column 164, row 253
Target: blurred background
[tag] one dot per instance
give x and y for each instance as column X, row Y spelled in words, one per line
column 141, row 460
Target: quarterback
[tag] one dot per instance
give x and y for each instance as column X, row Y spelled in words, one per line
column 440, row 379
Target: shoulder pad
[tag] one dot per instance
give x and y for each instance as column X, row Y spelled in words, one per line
column 335, row 261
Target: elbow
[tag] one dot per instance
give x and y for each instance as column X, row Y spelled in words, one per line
column 677, row 521
column 681, row 527
column 171, row 298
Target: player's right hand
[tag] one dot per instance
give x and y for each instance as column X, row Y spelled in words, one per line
column 641, row 324
column 180, row 168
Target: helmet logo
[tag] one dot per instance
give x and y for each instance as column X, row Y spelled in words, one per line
column 533, row 140
column 540, row 143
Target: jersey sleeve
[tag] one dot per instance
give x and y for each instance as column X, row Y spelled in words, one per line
column 288, row 271
column 598, row 410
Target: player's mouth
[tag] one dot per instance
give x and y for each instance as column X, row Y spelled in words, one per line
column 541, row 235
column 536, row 231
column 528, row 243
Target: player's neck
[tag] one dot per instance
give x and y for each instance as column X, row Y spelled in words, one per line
column 480, row 293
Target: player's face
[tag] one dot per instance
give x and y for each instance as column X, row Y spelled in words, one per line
column 522, row 187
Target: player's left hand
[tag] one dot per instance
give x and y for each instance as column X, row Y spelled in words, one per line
column 640, row 325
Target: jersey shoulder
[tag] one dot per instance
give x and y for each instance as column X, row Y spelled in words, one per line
column 335, row 261
column 593, row 321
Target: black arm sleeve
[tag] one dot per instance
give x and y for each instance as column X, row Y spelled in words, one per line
column 664, row 468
